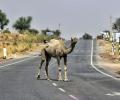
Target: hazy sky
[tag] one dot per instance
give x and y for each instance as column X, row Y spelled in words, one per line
column 75, row 16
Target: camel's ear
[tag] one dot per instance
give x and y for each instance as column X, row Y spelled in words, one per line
column 71, row 39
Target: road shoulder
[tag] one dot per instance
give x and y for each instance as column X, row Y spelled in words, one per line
column 105, row 60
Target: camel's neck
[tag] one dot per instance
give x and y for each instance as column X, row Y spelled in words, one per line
column 70, row 49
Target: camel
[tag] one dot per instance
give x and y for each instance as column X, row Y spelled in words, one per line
column 56, row 48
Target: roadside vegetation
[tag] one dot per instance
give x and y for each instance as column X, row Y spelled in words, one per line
column 25, row 38
column 109, row 48
column 21, row 43
column 110, row 43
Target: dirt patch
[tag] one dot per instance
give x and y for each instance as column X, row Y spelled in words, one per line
column 106, row 59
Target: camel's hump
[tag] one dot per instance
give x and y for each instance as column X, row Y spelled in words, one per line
column 55, row 42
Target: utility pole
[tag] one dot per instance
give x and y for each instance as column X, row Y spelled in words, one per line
column 119, row 47
column 112, row 36
column 59, row 26
column 59, row 29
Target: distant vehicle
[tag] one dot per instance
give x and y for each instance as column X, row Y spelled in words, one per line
column 87, row 36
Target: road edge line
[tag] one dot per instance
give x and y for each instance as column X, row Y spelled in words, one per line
column 96, row 67
column 17, row 61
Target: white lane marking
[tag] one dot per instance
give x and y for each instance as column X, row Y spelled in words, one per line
column 97, row 68
column 62, row 90
column 114, row 94
column 54, row 84
column 73, row 97
column 17, row 62
column 110, row 94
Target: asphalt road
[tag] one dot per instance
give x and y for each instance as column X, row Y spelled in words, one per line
column 87, row 81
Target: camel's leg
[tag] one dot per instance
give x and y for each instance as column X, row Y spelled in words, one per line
column 42, row 61
column 65, row 69
column 59, row 70
column 46, row 67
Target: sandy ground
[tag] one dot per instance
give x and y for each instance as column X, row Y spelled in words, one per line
column 105, row 58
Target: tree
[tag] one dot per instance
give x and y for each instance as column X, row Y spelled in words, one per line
column 33, row 31
column 87, row 36
column 45, row 31
column 6, row 30
column 3, row 20
column 22, row 24
column 57, row 33
column 116, row 25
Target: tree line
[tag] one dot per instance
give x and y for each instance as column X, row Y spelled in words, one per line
column 23, row 24
column 116, row 25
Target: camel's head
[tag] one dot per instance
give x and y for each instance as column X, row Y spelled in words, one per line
column 74, row 40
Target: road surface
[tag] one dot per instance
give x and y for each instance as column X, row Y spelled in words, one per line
column 87, row 81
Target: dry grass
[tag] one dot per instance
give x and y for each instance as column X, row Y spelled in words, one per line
column 106, row 51
column 108, row 61
column 20, row 43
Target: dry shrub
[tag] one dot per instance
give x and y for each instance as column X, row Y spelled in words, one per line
column 18, row 43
